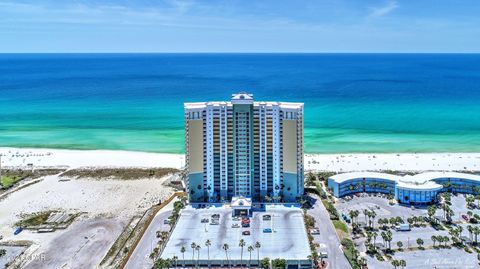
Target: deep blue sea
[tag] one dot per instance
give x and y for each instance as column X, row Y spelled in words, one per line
column 353, row 102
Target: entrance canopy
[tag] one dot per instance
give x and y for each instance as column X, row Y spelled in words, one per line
column 241, row 206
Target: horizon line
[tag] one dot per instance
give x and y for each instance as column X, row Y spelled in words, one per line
column 233, row 52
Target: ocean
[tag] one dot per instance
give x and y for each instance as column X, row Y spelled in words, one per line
column 353, row 102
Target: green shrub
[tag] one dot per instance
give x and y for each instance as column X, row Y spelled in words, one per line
column 351, row 253
column 279, row 264
column 331, row 210
column 265, row 263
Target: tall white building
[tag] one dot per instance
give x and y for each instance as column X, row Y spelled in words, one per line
column 245, row 148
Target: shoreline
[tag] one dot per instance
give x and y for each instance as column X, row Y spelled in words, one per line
column 345, row 162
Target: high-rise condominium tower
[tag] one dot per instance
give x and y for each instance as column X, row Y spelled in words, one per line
column 244, row 148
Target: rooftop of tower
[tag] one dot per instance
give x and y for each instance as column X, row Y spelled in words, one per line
column 242, row 98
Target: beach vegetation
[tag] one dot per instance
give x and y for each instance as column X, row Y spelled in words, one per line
column 34, row 219
column 8, row 181
column 10, row 177
column 119, row 173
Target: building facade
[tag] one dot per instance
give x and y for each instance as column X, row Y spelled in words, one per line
column 417, row 189
column 244, row 148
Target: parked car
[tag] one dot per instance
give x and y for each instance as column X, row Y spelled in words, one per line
column 166, row 221
column 245, row 225
column 403, row 227
column 266, row 217
column 465, row 217
column 205, row 220
column 215, row 216
column 236, row 218
column 246, row 233
column 346, row 218
column 323, row 254
column 235, row 225
column 267, row 230
column 314, row 231
column 18, row 230
column 214, row 222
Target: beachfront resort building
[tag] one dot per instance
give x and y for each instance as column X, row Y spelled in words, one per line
column 421, row 188
column 244, row 148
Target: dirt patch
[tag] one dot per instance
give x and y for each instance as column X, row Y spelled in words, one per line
column 81, row 246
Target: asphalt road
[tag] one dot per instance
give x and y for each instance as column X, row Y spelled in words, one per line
column 328, row 238
column 140, row 257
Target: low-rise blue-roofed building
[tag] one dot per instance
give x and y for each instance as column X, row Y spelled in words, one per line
column 422, row 188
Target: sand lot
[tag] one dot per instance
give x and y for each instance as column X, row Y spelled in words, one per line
column 106, row 207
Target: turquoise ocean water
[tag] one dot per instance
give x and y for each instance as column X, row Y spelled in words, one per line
column 353, row 102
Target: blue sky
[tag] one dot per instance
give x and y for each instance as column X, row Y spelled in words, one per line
column 240, row 26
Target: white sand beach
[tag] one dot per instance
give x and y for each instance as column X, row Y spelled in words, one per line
column 399, row 162
column 22, row 157
column 38, row 157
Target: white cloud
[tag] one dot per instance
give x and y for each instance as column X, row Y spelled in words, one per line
column 383, row 10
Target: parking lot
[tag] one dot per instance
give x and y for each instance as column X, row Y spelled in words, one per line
column 430, row 258
column 12, row 254
column 283, row 236
column 381, row 206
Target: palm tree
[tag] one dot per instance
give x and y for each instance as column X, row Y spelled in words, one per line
column 193, row 246
column 434, row 239
column 241, row 244
column 257, row 246
column 431, row 211
column 373, row 215
column 250, row 249
column 419, row 242
column 440, row 240
column 366, row 213
column 470, row 231
column 175, row 260
column 470, row 200
column 384, row 237
column 389, row 239
column 395, row 263
column 403, row 263
column 476, row 231
column 444, row 208
column 208, row 243
column 182, row 250
column 362, row 261
column 197, row 248
column 226, row 247
column 353, row 214
column 445, row 240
